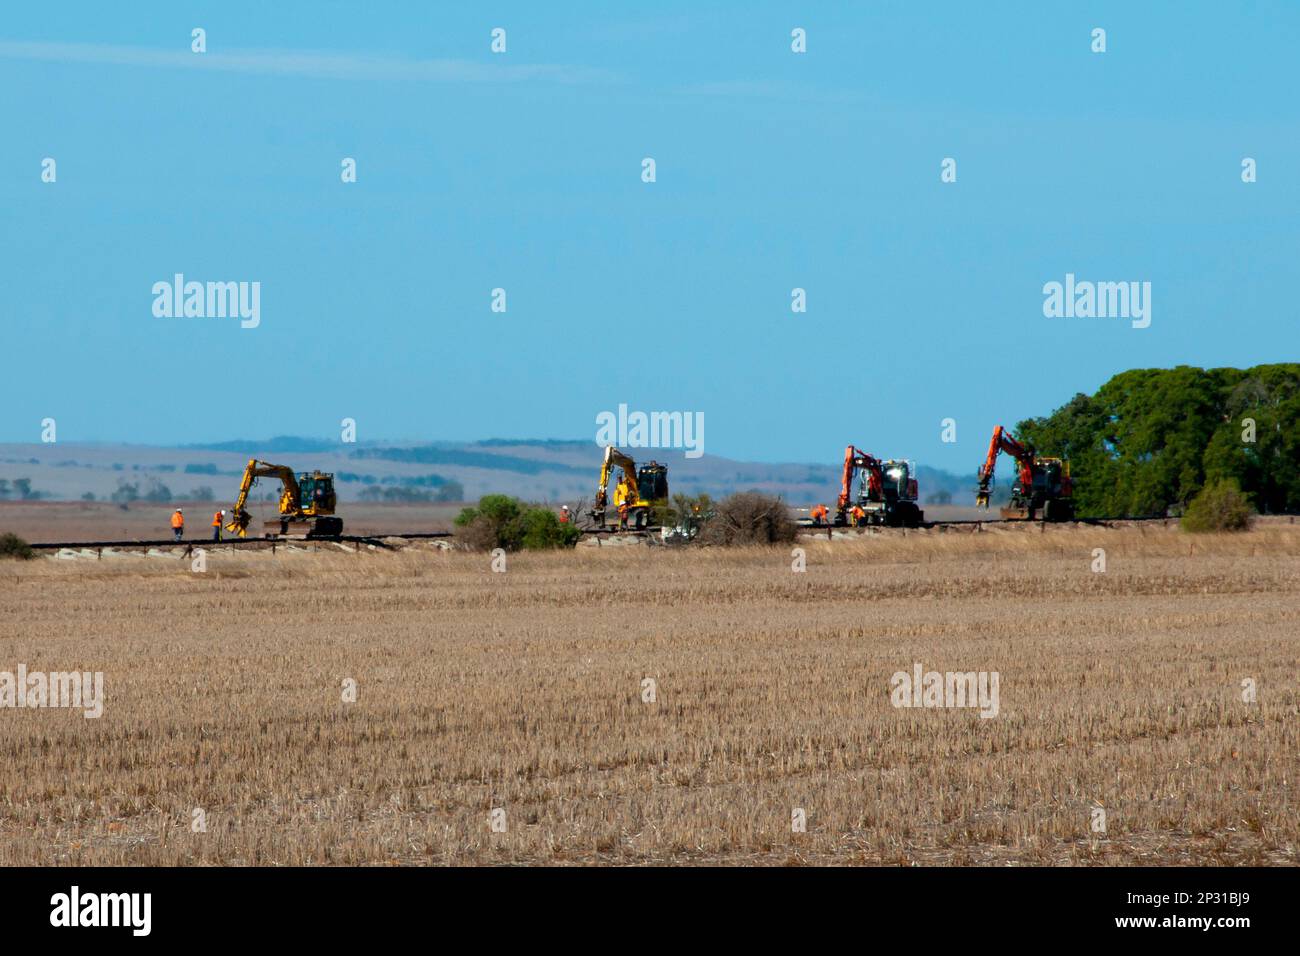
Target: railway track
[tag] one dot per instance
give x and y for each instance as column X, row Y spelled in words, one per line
column 979, row 523
column 379, row 540
column 193, row 543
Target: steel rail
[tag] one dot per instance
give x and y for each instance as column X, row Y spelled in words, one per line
column 378, row 539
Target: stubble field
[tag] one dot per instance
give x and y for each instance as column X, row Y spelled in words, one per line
column 525, row 692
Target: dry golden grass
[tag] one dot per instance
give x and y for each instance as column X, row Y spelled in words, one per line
column 523, row 691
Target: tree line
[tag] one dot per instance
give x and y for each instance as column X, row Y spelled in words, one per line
column 1149, row 440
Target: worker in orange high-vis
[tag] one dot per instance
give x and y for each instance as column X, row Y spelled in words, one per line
column 216, row 525
column 859, row 516
column 819, row 514
column 564, row 514
column 178, row 524
column 623, row 498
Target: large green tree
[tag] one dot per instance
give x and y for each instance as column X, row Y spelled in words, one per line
column 1149, row 439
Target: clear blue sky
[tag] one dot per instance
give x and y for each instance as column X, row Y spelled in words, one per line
column 522, row 171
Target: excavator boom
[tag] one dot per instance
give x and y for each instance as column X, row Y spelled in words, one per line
column 853, row 461
column 1003, row 441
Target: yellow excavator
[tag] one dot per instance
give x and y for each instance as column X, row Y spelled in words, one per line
column 307, row 502
column 636, row 492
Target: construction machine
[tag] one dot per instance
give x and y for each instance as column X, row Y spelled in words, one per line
column 887, row 492
column 686, row 518
column 637, row 490
column 307, row 502
column 1042, row 488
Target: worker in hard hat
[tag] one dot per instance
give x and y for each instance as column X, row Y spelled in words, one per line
column 564, row 514
column 859, row 516
column 178, row 524
column 623, row 498
column 819, row 514
column 218, row 520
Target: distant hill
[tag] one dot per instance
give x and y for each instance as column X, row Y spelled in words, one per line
column 280, row 444
column 543, row 470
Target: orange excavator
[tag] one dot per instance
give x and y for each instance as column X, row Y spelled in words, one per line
column 886, row 495
column 1042, row 488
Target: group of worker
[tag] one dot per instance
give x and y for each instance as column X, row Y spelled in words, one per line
column 178, row 524
column 821, row 516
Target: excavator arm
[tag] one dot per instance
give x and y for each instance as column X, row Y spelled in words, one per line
column 289, row 496
column 853, row 461
column 1003, row 441
column 614, row 459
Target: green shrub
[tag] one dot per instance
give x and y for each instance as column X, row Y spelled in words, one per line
column 494, row 523
column 499, row 521
column 1219, row 506
column 12, row 546
column 544, row 530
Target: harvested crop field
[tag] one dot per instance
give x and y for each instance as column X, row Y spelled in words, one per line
column 527, row 693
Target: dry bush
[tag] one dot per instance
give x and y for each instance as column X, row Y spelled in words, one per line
column 480, row 533
column 12, row 546
column 749, row 517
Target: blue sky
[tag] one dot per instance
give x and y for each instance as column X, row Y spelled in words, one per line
column 522, row 171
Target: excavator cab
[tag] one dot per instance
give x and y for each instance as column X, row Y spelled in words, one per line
column 899, row 480
column 316, row 492
column 652, row 482
column 1047, row 476
column 1051, row 493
